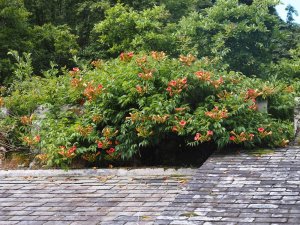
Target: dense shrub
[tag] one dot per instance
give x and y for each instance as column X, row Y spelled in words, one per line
column 111, row 109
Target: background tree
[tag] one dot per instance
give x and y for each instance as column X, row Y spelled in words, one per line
column 238, row 34
column 176, row 8
column 291, row 11
column 243, row 35
column 127, row 29
column 52, row 44
column 14, row 32
column 79, row 15
column 57, row 12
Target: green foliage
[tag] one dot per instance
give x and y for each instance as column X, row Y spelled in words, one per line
column 52, row 44
column 113, row 108
column 119, row 106
column 57, row 12
column 244, row 36
column 46, row 43
column 141, row 27
column 126, row 29
column 287, row 68
column 176, row 8
column 79, row 15
column 290, row 12
column 88, row 13
column 23, row 66
column 236, row 34
column 14, row 32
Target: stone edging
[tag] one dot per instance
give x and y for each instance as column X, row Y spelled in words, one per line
column 99, row 172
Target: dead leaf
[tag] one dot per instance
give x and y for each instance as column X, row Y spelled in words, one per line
column 104, row 178
column 183, row 181
column 146, row 217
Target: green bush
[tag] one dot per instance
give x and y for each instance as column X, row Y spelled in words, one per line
column 110, row 110
column 127, row 29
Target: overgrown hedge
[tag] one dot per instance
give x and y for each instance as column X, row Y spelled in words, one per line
column 111, row 109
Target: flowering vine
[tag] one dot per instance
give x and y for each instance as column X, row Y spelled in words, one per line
column 67, row 153
column 242, row 137
column 31, row 141
column 217, row 114
column 91, row 92
column 263, row 133
column 26, row 120
column 205, row 76
column 74, row 72
column 187, row 60
column 176, row 86
column 202, row 138
column 126, row 56
column 158, row 56
column 179, row 126
column 85, row 131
